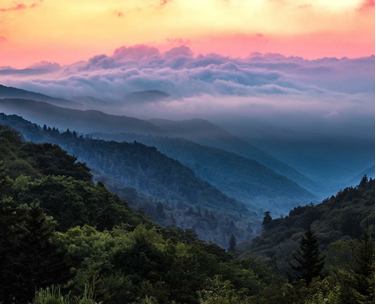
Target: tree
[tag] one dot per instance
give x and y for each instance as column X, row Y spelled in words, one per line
column 232, row 244
column 267, row 219
column 10, row 230
column 310, row 262
column 41, row 264
column 363, row 182
column 160, row 210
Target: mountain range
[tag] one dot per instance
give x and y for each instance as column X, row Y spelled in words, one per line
column 197, row 130
column 243, row 179
column 11, row 92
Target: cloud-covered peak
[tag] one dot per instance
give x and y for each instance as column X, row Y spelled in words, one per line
column 270, row 83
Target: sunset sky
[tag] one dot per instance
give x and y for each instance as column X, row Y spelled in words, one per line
column 66, row 31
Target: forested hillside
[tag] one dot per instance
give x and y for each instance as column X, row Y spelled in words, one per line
column 241, row 178
column 58, row 228
column 65, row 240
column 186, row 200
column 199, row 131
column 336, row 220
column 209, row 134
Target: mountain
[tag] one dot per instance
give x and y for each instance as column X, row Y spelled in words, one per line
column 241, row 178
column 194, row 203
column 73, row 241
column 146, row 96
column 83, row 121
column 199, row 131
column 209, row 134
column 15, row 93
column 91, row 102
column 335, row 220
column 330, row 160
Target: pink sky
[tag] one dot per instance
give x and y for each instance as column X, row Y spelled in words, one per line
column 66, row 31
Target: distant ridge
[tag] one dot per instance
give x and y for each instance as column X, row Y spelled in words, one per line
column 11, row 92
column 147, row 96
column 206, row 133
column 83, row 121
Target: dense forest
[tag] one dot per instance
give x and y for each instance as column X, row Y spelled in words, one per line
column 336, row 220
column 65, row 239
column 244, row 179
column 196, row 130
column 149, row 180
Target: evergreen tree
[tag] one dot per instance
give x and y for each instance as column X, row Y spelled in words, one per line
column 267, row 219
column 160, row 210
column 310, row 262
column 232, row 244
column 41, row 264
column 10, row 231
column 363, row 182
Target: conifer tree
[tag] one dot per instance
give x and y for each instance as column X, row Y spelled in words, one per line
column 232, row 244
column 267, row 219
column 41, row 264
column 308, row 258
column 363, row 182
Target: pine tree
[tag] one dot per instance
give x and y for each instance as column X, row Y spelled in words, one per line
column 232, row 244
column 363, row 182
column 10, row 230
column 41, row 264
column 267, row 219
column 160, row 210
column 310, row 262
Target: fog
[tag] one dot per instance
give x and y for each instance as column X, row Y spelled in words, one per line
column 328, row 95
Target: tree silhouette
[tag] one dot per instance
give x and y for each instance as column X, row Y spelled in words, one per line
column 232, row 244
column 363, row 182
column 267, row 219
column 40, row 264
column 310, row 262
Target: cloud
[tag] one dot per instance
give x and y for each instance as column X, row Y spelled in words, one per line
column 22, row 6
column 46, row 65
column 366, row 5
column 164, row 2
column 119, row 14
column 3, row 39
column 265, row 84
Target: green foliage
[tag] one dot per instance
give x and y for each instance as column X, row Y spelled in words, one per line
column 101, row 242
column 105, row 252
column 53, row 295
column 341, row 217
column 219, row 292
column 150, row 181
column 308, row 258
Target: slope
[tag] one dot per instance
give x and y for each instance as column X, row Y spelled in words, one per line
column 11, row 92
column 73, row 241
column 241, row 178
column 331, row 160
column 213, row 214
column 209, row 134
column 338, row 218
column 84, row 121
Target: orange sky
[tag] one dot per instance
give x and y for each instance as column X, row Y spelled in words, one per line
column 66, row 31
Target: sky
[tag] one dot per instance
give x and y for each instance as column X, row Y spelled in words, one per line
column 295, row 62
column 67, row 31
